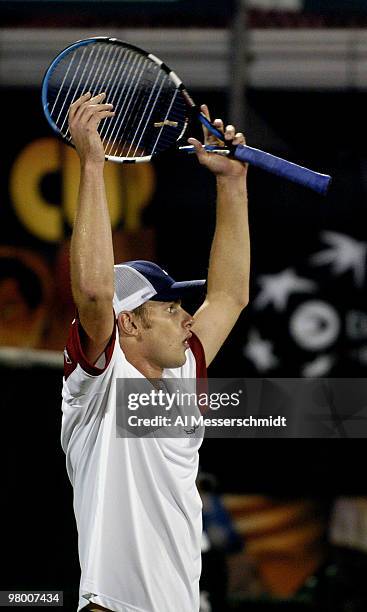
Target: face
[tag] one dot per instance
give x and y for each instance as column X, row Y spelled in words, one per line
column 165, row 341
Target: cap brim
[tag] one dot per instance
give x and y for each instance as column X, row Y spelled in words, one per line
column 179, row 290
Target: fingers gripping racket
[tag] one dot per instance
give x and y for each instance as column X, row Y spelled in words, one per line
column 152, row 107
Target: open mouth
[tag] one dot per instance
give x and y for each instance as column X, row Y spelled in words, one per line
column 186, row 341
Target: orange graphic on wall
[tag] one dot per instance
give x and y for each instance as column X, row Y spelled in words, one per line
column 35, row 294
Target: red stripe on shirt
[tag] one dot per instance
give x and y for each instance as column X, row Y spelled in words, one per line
column 201, row 371
column 73, row 353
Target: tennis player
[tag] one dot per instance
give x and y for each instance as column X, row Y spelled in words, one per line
column 137, row 508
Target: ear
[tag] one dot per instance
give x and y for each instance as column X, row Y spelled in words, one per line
column 127, row 324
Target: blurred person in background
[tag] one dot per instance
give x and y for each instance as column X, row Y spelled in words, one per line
column 220, row 540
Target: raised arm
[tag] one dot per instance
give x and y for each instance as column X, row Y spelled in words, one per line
column 229, row 263
column 91, row 256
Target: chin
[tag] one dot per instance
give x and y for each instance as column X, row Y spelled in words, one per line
column 176, row 363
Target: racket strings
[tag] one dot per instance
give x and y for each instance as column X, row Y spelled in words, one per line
column 98, row 77
column 141, row 127
column 85, row 87
column 64, row 105
column 132, row 120
column 163, row 102
column 164, row 121
column 150, row 112
column 105, row 80
column 61, row 88
column 69, row 92
column 126, row 99
column 118, row 75
column 176, row 113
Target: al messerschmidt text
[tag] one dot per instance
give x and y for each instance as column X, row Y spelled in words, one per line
column 200, row 421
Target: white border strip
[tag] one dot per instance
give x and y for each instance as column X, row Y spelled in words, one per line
column 28, row 358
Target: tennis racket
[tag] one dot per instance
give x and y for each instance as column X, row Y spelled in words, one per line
column 152, row 107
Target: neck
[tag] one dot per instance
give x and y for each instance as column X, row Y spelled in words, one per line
column 141, row 363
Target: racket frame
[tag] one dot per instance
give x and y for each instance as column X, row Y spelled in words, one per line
column 170, row 73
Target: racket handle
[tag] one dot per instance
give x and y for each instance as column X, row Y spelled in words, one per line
column 298, row 174
column 271, row 163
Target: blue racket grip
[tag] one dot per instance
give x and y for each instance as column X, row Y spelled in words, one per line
column 275, row 165
column 298, row 174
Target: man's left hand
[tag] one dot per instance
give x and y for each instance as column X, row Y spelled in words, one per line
column 219, row 164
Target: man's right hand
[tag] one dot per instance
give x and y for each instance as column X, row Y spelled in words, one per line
column 85, row 116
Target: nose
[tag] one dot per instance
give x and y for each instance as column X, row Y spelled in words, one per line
column 187, row 320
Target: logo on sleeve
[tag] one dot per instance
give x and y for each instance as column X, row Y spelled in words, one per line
column 66, row 356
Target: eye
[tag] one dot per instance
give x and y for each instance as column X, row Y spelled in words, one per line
column 171, row 309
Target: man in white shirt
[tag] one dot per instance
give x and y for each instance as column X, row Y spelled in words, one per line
column 137, row 508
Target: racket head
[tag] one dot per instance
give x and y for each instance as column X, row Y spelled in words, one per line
column 152, row 107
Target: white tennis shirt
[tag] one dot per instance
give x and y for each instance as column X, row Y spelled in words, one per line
column 136, row 504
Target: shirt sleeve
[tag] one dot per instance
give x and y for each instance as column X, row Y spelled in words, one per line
column 74, row 355
column 85, row 387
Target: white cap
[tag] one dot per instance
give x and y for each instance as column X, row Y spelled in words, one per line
column 131, row 288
